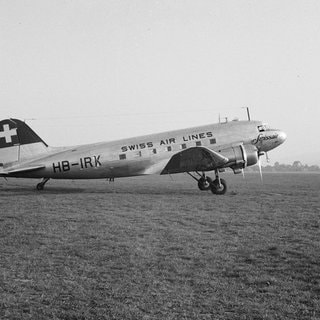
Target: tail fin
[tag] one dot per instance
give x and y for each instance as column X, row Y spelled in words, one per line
column 19, row 142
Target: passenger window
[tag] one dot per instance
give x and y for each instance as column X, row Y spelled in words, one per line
column 169, row 148
column 213, row 141
column 198, row 143
column 122, row 156
column 183, row 146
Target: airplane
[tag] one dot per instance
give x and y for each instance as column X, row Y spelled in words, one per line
column 231, row 144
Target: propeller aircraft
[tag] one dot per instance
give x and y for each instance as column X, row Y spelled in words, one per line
column 195, row 151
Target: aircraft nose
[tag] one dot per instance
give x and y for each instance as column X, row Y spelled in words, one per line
column 282, row 136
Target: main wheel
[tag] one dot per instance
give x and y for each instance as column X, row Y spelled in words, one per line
column 204, row 183
column 217, row 188
column 40, row 186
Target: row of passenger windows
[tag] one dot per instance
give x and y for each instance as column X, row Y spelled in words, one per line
column 123, row 156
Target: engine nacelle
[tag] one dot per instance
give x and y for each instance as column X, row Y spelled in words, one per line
column 240, row 157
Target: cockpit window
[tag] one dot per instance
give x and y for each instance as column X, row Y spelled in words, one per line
column 262, row 128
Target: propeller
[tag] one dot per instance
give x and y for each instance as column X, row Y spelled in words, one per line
column 267, row 157
column 260, row 169
column 259, row 163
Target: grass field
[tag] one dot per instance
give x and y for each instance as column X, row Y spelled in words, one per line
column 157, row 248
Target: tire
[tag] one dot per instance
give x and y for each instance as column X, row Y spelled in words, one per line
column 204, row 183
column 40, row 186
column 218, row 189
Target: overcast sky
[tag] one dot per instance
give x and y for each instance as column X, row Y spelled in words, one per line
column 88, row 71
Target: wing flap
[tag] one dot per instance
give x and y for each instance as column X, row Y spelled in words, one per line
column 194, row 159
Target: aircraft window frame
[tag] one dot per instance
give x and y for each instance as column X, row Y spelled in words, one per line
column 198, row 143
column 122, row 156
column 213, row 141
column 154, row 151
column 263, row 128
column 183, row 146
column 169, row 148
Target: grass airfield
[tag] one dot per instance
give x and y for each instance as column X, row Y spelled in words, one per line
column 158, row 248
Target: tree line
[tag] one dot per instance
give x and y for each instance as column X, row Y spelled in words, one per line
column 296, row 166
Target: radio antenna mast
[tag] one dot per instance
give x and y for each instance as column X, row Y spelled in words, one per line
column 248, row 113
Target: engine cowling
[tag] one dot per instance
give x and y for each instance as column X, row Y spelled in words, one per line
column 241, row 156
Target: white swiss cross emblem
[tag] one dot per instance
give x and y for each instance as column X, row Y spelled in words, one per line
column 8, row 133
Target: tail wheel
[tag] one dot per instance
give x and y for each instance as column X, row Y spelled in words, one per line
column 40, row 186
column 218, row 188
column 204, row 183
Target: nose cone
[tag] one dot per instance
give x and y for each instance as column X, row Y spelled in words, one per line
column 269, row 140
column 282, row 137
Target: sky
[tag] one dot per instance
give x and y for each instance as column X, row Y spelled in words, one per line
column 87, row 71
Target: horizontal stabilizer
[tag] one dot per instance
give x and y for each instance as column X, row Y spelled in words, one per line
column 195, row 159
column 5, row 173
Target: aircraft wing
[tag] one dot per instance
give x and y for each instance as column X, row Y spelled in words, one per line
column 13, row 171
column 195, row 159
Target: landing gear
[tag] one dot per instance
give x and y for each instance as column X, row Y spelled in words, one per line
column 204, row 183
column 40, row 186
column 217, row 186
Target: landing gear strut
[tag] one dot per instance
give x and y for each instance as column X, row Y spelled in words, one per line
column 217, row 186
column 40, row 186
column 204, row 183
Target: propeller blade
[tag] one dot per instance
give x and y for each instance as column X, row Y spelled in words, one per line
column 267, row 157
column 260, row 169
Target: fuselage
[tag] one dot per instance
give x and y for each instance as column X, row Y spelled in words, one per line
column 149, row 154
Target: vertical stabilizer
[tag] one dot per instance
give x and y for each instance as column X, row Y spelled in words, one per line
column 18, row 142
